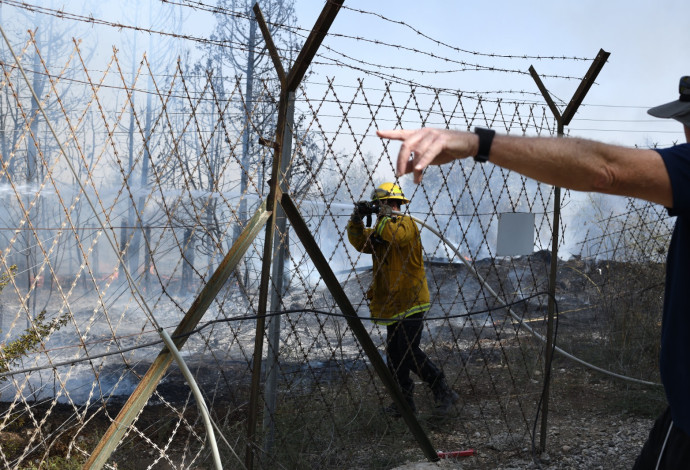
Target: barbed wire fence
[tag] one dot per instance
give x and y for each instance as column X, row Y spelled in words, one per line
column 80, row 320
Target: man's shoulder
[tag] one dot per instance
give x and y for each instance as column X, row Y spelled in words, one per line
column 679, row 149
column 677, row 161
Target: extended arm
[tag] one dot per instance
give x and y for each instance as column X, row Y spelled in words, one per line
column 572, row 163
column 359, row 236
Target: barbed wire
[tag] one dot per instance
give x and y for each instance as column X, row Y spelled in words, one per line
column 63, row 14
column 392, row 78
column 225, row 43
column 431, row 90
column 334, row 62
column 467, row 67
column 422, row 89
column 310, row 81
column 216, row 9
column 201, row 97
column 457, row 49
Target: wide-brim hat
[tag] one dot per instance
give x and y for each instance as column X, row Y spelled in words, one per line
column 679, row 109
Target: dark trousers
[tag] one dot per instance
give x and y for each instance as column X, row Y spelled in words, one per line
column 676, row 452
column 404, row 354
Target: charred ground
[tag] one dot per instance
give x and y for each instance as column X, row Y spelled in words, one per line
column 609, row 315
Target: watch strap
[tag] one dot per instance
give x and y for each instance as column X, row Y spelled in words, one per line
column 486, row 137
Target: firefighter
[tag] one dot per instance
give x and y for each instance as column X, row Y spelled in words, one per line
column 399, row 295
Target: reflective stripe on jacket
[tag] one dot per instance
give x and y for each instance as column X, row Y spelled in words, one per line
column 399, row 288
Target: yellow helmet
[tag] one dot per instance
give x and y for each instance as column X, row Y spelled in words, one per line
column 389, row 191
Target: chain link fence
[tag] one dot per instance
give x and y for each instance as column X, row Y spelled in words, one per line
column 113, row 225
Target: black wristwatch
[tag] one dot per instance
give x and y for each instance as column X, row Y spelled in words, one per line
column 486, row 136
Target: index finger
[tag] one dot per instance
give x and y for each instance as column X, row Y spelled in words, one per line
column 409, row 138
column 397, row 134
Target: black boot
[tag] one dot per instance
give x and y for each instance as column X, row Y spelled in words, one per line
column 444, row 397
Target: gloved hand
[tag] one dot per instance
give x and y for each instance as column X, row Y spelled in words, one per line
column 364, row 209
column 356, row 217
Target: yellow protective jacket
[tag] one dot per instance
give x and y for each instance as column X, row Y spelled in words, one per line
column 399, row 287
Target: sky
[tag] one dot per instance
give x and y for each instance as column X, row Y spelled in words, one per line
column 648, row 42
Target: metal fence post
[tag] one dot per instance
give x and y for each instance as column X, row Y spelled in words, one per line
column 289, row 83
column 562, row 121
column 280, row 241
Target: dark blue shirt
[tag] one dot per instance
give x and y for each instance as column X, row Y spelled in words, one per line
column 674, row 362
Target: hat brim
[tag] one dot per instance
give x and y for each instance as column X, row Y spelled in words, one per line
column 678, row 110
